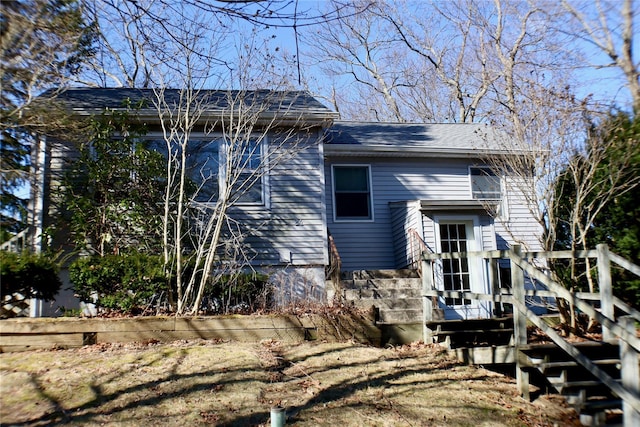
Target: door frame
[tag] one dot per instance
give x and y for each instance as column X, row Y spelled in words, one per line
column 478, row 277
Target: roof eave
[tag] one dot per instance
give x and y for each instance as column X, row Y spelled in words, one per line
column 348, row 150
column 290, row 117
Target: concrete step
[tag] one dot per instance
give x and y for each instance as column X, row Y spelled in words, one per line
column 400, row 316
column 369, row 293
column 378, row 274
column 390, row 283
column 384, row 304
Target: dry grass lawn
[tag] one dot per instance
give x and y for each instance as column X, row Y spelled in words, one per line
column 235, row 384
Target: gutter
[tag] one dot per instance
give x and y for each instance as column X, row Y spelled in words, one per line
column 274, row 117
column 403, row 151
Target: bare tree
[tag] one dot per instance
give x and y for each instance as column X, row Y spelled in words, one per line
column 609, row 27
column 221, row 147
column 137, row 37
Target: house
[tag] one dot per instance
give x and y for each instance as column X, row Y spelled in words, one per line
column 378, row 189
column 396, row 189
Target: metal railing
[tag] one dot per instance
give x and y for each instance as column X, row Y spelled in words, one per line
column 417, row 247
column 334, row 269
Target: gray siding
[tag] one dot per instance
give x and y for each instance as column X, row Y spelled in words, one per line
column 376, row 244
column 518, row 224
column 405, row 216
column 290, row 229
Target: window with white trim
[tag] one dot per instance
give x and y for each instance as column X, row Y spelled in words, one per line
column 250, row 180
column 485, row 184
column 352, row 192
column 206, row 169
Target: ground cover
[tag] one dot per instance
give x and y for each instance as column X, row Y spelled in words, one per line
column 235, row 384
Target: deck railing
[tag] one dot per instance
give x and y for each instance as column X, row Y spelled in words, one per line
column 524, row 264
column 17, row 243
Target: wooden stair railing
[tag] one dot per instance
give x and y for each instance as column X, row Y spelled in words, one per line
column 334, row 269
column 17, row 243
column 628, row 388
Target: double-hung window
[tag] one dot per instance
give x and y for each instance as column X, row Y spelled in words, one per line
column 352, row 192
column 485, row 184
column 249, row 184
column 203, row 169
column 212, row 165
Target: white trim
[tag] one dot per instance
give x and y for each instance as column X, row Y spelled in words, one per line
column 500, row 181
column 333, row 193
column 354, row 150
column 478, row 278
column 38, row 193
column 323, row 192
column 455, row 219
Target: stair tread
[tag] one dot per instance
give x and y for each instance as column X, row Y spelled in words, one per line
column 599, row 404
column 472, row 331
column 583, row 383
column 571, row 363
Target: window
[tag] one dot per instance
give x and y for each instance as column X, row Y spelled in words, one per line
column 456, row 272
column 249, row 184
column 485, row 184
column 205, row 169
column 352, row 193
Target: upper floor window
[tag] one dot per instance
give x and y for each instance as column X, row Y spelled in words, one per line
column 352, row 192
column 485, row 184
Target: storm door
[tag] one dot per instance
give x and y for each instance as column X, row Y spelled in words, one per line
column 463, row 274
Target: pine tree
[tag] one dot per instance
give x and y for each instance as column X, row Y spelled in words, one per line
column 43, row 43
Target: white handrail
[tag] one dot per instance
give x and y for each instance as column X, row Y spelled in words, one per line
column 17, row 243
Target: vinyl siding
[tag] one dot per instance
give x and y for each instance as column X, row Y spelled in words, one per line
column 289, row 229
column 404, row 216
column 376, row 244
column 518, row 225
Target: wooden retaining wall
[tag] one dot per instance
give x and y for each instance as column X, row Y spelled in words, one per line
column 46, row 333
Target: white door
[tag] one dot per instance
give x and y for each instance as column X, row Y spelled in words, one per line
column 463, row 275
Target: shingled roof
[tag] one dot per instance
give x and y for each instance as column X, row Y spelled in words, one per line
column 292, row 104
column 414, row 139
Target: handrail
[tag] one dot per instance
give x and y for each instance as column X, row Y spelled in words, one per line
column 17, row 243
column 417, row 246
column 625, row 331
column 335, row 263
column 627, row 265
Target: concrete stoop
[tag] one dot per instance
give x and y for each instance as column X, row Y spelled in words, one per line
column 395, row 294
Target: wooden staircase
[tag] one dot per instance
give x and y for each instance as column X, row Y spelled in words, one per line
column 489, row 342
column 559, row 372
column 472, row 333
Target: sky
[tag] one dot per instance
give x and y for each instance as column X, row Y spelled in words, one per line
column 602, row 82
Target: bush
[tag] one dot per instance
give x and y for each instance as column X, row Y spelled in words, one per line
column 32, row 275
column 238, row 293
column 124, row 283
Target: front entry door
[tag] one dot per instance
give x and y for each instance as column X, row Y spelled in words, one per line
column 463, row 275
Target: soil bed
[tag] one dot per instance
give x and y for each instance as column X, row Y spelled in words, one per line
column 235, row 384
